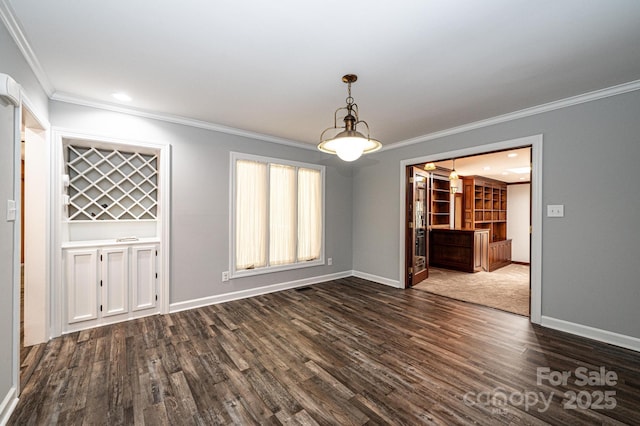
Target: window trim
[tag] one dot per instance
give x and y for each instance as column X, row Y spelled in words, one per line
column 235, row 273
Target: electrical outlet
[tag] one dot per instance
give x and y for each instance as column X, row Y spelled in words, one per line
column 330, row 261
column 225, row 276
column 555, row 210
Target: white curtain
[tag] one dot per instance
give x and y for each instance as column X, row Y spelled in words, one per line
column 309, row 214
column 251, row 214
column 282, row 214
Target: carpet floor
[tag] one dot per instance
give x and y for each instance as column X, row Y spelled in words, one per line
column 506, row 289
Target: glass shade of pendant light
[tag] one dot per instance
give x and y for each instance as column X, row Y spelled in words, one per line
column 348, row 144
column 454, row 179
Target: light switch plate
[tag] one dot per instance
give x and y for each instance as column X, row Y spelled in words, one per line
column 11, row 210
column 555, row 210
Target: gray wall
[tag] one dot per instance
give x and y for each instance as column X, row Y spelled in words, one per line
column 200, row 194
column 590, row 260
column 13, row 64
column 6, row 248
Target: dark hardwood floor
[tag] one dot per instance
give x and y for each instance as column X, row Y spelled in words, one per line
column 29, row 355
column 343, row 352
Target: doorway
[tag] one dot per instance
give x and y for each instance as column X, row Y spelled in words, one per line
column 34, row 281
column 476, row 248
column 491, row 228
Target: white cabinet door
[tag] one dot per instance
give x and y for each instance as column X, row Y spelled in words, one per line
column 114, row 281
column 143, row 277
column 82, row 284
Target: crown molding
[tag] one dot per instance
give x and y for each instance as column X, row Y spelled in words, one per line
column 67, row 98
column 11, row 23
column 527, row 112
column 540, row 109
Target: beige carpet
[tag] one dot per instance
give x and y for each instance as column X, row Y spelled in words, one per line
column 506, row 288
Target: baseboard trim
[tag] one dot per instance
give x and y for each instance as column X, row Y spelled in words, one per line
column 521, row 263
column 80, row 326
column 605, row 336
column 7, row 405
column 243, row 294
column 377, row 279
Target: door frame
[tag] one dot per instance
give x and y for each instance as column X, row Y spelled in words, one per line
column 43, row 124
column 36, row 243
column 535, row 141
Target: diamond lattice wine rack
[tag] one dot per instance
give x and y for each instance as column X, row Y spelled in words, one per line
column 111, row 184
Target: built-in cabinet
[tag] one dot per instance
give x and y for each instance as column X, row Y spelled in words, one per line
column 111, row 283
column 82, row 284
column 460, row 249
column 485, row 207
column 114, row 226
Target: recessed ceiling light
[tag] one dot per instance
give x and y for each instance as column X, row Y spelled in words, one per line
column 505, row 173
column 122, row 97
column 521, row 170
column 486, row 168
column 512, row 154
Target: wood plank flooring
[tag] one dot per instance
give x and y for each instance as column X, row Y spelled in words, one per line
column 345, row 352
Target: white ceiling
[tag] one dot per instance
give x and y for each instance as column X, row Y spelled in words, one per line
column 275, row 67
column 511, row 166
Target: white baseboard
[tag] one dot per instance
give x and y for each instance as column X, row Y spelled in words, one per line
column 7, row 405
column 605, row 336
column 377, row 279
column 243, row 294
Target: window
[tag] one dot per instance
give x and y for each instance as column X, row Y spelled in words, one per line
column 277, row 211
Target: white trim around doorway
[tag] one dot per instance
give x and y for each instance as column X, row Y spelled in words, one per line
column 535, row 142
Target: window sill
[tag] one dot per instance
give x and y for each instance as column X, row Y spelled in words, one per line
column 280, row 268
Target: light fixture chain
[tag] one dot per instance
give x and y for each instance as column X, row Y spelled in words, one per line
column 349, row 98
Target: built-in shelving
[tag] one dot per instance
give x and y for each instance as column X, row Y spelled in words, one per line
column 485, row 207
column 440, row 202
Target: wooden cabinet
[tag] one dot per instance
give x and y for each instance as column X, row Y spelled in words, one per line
column 480, row 250
column 106, row 284
column 499, row 254
column 485, row 207
column 459, row 249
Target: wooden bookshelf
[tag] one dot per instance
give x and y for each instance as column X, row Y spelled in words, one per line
column 485, row 207
column 440, row 201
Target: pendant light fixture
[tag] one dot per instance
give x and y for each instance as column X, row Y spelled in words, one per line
column 349, row 144
column 454, row 179
column 453, row 175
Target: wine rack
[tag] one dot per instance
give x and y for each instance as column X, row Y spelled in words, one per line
column 111, row 184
